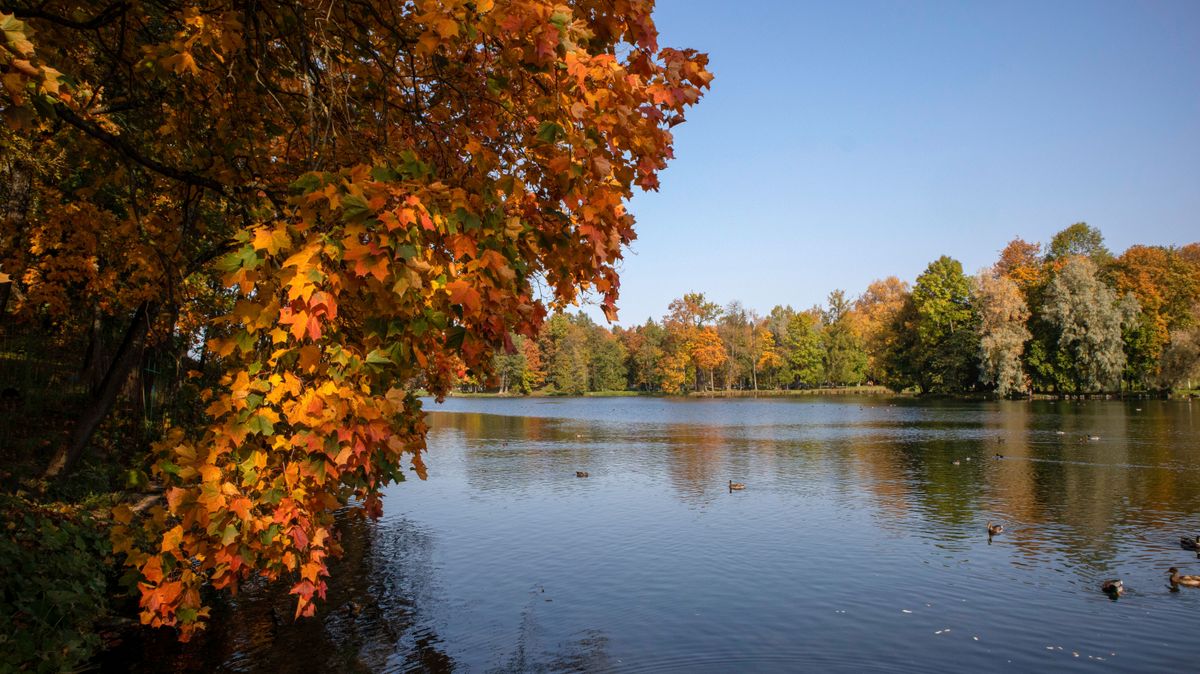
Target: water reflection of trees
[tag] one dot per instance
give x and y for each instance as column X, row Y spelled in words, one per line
column 1060, row 493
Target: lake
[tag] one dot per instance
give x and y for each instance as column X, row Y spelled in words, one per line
column 857, row 545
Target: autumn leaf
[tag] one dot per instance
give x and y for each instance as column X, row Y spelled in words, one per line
column 464, row 294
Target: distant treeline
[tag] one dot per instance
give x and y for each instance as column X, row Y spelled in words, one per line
column 1064, row 318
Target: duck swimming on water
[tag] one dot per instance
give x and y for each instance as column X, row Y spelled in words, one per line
column 1177, row 580
column 995, row 529
column 736, row 486
column 1113, row 588
column 1190, row 543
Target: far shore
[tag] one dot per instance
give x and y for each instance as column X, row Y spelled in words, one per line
column 880, row 391
column 840, row 391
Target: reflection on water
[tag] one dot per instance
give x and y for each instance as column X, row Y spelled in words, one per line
column 858, row 545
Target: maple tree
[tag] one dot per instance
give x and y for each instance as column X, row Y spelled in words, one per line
column 371, row 190
column 877, row 310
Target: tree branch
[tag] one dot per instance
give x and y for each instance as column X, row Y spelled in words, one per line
column 120, row 145
column 105, row 17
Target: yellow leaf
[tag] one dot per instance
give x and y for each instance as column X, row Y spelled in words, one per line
column 446, row 27
column 272, row 240
column 123, row 514
column 172, row 539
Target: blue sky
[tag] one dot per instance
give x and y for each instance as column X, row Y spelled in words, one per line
column 847, row 141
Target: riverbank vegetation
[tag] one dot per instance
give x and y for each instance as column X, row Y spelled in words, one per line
column 234, row 239
column 1063, row 318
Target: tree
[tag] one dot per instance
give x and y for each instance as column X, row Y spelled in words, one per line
column 606, row 361
column 644, row 346
column 736, row 329
column 1089, row 318
column 1080, row 239
column 708, row 352
column 1181, row 359
column 805, row 354
column 766, row 354
column 1002, row 332
column 845, row 360
column 565, row 343
column 777, row 322
column 693, row 310
column 878, row 309
column 942, row 355
column 509, row 367
column 375, row 185
column 1021, row 263
column 532, row 374
column 1166, row 286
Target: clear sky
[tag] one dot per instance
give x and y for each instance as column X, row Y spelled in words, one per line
column 847, row 141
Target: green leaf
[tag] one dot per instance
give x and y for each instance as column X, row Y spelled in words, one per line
column 549, row 132
column 269, row 535
column 228, row 263
column 354, row 208
column 385, row 174
column 468, row 219
column 378, row 357
column 259, row 424
column 559, row 19
column 309, row 182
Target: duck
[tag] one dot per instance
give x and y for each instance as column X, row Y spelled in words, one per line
column 956, row 462
column 736, row 486
column 998, row 457
column 581, row 473
column 1113, row 588
column 1177, row 580
column 994, row 529
column 1093, row 438
column 1190, row 543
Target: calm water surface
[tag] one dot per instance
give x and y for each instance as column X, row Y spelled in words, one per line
column 857, row 545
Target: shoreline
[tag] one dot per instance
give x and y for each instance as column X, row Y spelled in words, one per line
column 873, row 391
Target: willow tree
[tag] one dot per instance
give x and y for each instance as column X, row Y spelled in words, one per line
column 1089, row 317
column 370, row 187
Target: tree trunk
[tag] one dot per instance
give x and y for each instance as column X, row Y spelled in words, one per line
column 91, row 373
column 128, row 355
column 16, row 193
